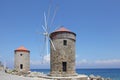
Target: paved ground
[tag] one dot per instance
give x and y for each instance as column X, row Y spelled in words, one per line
column 4, row 76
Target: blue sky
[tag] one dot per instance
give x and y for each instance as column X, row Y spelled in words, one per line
column 96, row 23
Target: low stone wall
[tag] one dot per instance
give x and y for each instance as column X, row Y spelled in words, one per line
column 92, row 77
column 45, row 76
column 1, row 68
column 73, row 79
column 78, row 77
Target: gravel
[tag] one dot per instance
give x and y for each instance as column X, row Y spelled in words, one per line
column 5, row 76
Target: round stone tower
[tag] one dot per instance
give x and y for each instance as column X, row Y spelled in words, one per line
column 22, row 59
column 62, row 58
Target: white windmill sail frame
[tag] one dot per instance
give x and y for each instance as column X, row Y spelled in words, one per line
column 46, row 33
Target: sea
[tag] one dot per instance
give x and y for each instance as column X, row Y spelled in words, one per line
column 114, row 74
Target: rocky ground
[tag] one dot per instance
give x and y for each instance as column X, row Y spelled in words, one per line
column 41, row 76
column 5, row 76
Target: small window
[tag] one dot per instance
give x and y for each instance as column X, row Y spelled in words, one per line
column 21, row 54
column 21, row 66
column 64, row 42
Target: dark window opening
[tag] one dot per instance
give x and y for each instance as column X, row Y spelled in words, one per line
column 64, row 42
column 21, row 66
column 21, row 54
column 64, row 65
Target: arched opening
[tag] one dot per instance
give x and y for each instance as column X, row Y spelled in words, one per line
column 21, row 66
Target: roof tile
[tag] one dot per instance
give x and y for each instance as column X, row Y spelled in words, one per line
column 62, row 29
column 22, row 48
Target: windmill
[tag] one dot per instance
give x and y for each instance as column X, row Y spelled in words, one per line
column 46, row 33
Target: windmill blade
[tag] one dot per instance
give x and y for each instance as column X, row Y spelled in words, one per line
column 43, row 52
column 44, row 28
column 45, row 20
column 47, row 45
column 49, row 8
column 52, row 20
column 38, row 32
column 52, row 44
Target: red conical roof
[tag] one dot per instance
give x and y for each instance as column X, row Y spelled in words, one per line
column 62, row 29
column 22, row 48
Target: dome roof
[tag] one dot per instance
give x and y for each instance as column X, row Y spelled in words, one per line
column 62, row 29
column 22, row 48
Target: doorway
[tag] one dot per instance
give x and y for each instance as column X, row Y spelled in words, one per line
column 21, row 66
column 64, row 66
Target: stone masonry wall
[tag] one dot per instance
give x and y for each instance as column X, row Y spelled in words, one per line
column 22, row 58
column 63, row 53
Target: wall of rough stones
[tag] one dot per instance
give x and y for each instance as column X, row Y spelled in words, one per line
column 22, row 58
column 63, row 53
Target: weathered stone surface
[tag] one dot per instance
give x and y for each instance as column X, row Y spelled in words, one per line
column 92, row 77
column 1, row 68
column 77, row 77
column 23, row 58
column 63, row 55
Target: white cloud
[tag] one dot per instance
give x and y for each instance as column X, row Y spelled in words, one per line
column 44, row 60
column 106, row 63
column 83, row 61
column 110, row 61
column 35, row 62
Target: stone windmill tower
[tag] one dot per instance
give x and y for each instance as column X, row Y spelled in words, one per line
column 62, row 60
column 22, row 60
